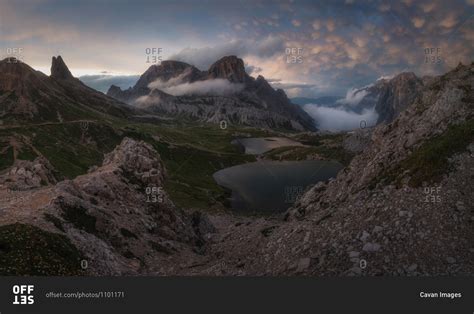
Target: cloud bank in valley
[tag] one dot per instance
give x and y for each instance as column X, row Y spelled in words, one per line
column 344, row 114
column 353, row 97
column 177, row 86
column 340, row 119
column 220, row 87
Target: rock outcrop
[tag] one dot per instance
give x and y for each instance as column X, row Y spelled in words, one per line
column 25, row 175
column 118, row 216
column 59, row 70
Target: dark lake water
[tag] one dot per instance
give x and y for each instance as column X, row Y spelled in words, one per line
column 272, row 186
column 259, row 145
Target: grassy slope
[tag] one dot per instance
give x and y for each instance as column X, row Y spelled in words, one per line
column 28, row 250
column 430, row 161
column 191, row 152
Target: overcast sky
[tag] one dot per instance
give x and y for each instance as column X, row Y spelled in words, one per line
column 343, row 44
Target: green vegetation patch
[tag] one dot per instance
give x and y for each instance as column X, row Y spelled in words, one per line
column 26, row 153
column 429, row 162
column 190, row 182
column 71, row 148
column 28, row 250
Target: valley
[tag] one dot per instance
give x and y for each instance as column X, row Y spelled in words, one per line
column 128, row 189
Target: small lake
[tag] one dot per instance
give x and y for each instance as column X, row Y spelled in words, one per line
column 272, row 186
column 260, row 145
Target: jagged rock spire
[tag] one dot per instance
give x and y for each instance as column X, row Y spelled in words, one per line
column 59, row 69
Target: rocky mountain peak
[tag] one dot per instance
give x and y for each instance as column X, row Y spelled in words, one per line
column 59, row 69
column 167, row 70
column 255, row 96
column 229, row 67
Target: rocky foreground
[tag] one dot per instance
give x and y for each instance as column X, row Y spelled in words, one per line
column 403, row 206
column 117, row 216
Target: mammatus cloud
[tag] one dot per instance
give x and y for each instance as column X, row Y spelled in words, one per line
column 339, row 119
column 364, row 40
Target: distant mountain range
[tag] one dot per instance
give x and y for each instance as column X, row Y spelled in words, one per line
column 225, row 92
column 387, row 97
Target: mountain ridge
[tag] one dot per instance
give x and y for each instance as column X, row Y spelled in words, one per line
column 246, row 106
column 28, row 95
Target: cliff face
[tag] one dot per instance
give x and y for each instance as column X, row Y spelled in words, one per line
column 252, row 101
column 230, row 68
column 396, row 95
column 389, row 97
